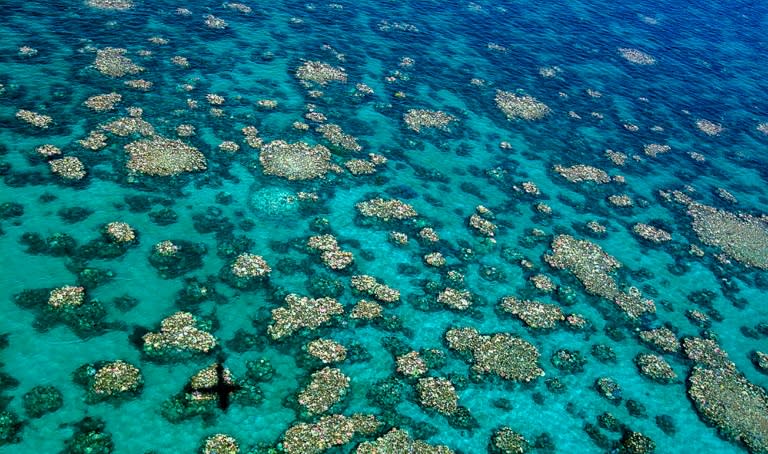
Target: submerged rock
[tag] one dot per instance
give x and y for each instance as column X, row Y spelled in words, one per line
column 41, row 400
column 10, row 427
column 90, row 438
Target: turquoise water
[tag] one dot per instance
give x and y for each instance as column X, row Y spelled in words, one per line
column 707, row 65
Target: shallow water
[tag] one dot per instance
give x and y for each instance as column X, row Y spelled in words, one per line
column 451, row 57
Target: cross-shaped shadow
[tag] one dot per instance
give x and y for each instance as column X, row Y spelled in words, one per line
column 223, row 388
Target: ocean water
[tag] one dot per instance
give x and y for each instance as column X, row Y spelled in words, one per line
column 697, row 84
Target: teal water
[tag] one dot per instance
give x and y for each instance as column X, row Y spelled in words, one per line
column 707, row 65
